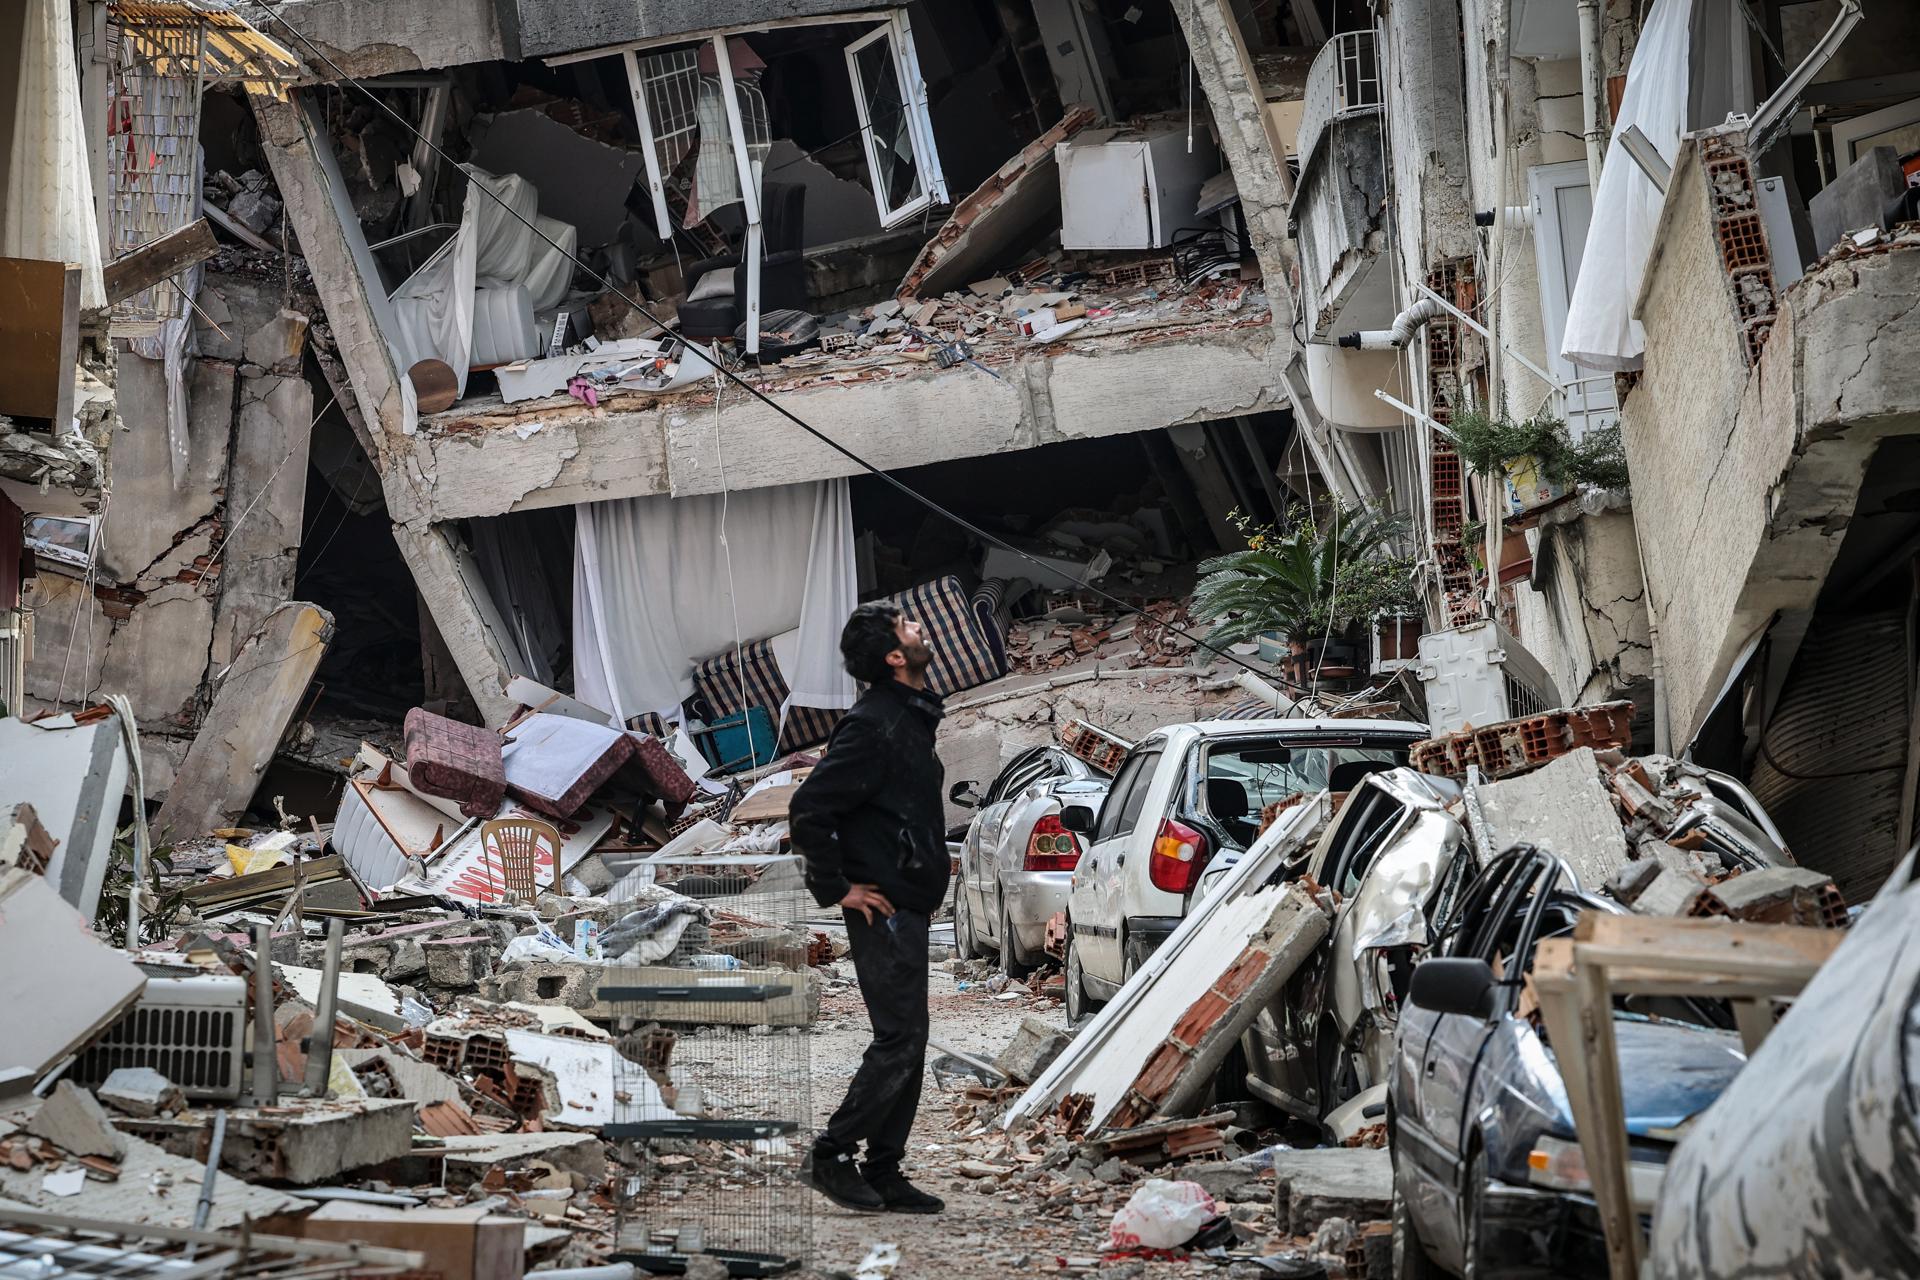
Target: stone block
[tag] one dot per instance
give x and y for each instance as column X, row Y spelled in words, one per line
column 1033, row 1048
column 458, row 962
column 74, row 1121
column 140, row 1091
column 1355, row 1183
column 1229, row 1180
column 574, row 986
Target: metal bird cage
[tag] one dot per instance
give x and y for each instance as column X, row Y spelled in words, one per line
column 708, row 974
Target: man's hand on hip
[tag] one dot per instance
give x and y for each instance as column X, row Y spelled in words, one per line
column 867, row 899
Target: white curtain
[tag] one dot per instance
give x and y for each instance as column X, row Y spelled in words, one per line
column 653, row 594
column 1601, row 331
column 816, row 678
column 49, row 200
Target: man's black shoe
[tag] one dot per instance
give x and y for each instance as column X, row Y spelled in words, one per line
column 901, row 1196
column 836, row 1178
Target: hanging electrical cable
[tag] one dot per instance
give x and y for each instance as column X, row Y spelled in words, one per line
column 340, row 76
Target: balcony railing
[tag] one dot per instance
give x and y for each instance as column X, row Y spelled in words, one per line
column 1343, row 81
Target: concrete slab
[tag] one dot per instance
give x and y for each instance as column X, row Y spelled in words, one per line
column 310, row 1143
column 155, row 1187
column 469, row 1157
column 74, row 1121
column 1355, row 1183
column 140, row 1091
column 248, row 718
column 1564, row 809
column 74, row 778
column 40, row 936
column 1033, row 1048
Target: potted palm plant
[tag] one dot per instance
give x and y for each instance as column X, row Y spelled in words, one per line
column 1306, row 581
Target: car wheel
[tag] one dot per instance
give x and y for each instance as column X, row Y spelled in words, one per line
column 966, row 943
column 1410, row 1260
column 1079, row 1003
column 1010, row 949
column 1474, row 1257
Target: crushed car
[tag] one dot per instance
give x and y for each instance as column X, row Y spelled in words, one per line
column 1189, row 798
column 1489, row 1177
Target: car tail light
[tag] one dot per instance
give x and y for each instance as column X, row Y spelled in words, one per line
column 1179, row 855
column 1052, row 847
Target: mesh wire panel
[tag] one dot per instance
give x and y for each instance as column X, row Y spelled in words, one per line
column 713, row 1088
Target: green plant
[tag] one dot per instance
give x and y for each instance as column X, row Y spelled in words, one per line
column 158, row 905
column 1306, row 578
column 1484, row 443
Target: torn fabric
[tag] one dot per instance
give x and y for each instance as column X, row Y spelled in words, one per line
column 1601, row 332
column 49, row 203
column 654, row 593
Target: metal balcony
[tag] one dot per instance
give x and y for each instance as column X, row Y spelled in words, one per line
column 1343, row 81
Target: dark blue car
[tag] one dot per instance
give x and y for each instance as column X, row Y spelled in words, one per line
column 1488, row 1175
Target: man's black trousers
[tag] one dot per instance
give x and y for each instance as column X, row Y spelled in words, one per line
column 890, row 961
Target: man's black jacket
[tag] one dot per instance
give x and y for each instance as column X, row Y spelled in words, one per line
column 871, row 811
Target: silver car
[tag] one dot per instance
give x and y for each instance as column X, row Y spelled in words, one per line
column 1016, row 863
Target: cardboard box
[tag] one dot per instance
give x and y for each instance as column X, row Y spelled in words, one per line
column 459, row 1244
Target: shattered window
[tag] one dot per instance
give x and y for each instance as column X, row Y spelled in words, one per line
column 1271, row 772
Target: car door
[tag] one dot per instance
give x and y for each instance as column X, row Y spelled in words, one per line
column 1094, row 904
column 1498, row 914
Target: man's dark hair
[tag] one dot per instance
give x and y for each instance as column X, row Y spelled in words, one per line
column 869, row 636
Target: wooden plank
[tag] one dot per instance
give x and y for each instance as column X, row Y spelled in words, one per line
column 1605, row 1141
column 272, row 881
column 39, row 337
column 258, row 697
column 1720, row 948
column 769, row 805
column 239, row 230
column 157, row 260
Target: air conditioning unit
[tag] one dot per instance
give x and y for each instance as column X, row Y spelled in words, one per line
column 1480, row 675
column 191, row 1030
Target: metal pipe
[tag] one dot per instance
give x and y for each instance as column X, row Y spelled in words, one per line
column 612, row 1271
column 1260, row 689
column 204, row 1208
column 320, row 1039
column 266, row 1084
column 1593, row 89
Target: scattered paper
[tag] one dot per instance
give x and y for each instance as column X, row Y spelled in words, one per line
column 64, row 1182
column 879, row 1263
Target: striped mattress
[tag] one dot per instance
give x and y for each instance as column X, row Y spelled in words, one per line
column 966, row 652
column 719, row 680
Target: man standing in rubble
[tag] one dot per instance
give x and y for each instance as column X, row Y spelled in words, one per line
column 870, row 824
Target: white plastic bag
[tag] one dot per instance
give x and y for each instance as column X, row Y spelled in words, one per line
column 1161, row 1215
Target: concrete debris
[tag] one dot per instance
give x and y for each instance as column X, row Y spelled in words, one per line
column 1032, row 1049
column 140, row 1091
column 1312, row 1186
column 74, row 1121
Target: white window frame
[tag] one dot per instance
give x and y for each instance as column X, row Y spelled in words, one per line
column 1847, row 134
column 1588, row 400
column 56, row 558
column 898, row 35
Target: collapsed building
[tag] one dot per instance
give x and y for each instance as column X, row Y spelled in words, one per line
column 424, row 385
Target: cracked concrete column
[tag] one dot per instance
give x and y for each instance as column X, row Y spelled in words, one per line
column 300, row 153
column 463, row 610
column 1254, row 152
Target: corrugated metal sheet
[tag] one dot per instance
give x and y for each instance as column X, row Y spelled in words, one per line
column 1834, row 757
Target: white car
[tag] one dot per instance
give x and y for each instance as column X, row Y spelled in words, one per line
column 1017, row 859
column 1187, row 796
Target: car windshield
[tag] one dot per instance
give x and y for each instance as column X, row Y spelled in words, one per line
column 1269, row 771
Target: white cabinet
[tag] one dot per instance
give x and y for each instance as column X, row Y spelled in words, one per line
column 1131, row 189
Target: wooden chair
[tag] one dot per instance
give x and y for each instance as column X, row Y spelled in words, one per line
column 514, row 843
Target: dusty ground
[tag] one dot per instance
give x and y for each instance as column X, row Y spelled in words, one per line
column 983, row 1233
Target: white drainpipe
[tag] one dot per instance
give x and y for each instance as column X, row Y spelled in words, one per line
column 1397, row 337
column 1593, row 87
